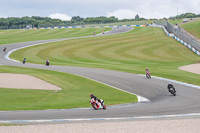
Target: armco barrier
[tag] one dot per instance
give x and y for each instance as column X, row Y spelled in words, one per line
column 88, row 26
column 180, row 33
column 187, row 45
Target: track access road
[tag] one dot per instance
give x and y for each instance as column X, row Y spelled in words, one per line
column 162, row 102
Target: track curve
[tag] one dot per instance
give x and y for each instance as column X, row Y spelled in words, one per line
column 162, row 103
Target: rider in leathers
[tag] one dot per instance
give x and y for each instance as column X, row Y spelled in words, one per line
column 95, row 98
column 170, row 86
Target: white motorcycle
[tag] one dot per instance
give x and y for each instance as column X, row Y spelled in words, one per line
column 96, row 104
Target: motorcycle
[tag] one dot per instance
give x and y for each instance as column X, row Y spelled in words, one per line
column 172, row 91
column 148, row 74
column 24, row 61
column 4, row 49
column 98, row 105
column 47, row 63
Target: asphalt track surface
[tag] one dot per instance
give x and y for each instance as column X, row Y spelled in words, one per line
column 162, row 102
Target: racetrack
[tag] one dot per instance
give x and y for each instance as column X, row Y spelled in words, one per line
column 162, row 103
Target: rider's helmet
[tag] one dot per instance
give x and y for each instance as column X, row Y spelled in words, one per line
column 147, row 69
column 91, row 95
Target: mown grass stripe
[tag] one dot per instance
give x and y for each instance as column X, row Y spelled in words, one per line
column 129, row 52
column 13, row 36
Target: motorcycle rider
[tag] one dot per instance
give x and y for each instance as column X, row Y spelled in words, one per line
column 95, row 98
column 4, row 49
column 147, row 71
column 24, row 60
column 47, row 61
column 169, row 86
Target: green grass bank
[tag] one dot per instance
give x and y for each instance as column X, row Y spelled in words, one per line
column 192, row 27
column 75, row 92
column 24, row 35
column 129, row 52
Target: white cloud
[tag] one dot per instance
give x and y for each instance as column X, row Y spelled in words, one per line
column 119, row 8
column 60, row 16
column 122, row 14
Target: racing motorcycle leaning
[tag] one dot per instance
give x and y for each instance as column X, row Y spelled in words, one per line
column 148, row 74
column 24, row 61
column 4, row 49
column 47, row 63
column 96, row 104
column 172, row 91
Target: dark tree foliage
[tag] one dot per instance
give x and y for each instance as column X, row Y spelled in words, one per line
column 36, row 21
column 24, row 22
column 137, row 17
column 77, row 18
column 185, row 15
column 101, row 19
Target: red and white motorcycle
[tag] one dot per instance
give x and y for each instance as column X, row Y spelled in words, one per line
column 148, row 74
column 96, row 104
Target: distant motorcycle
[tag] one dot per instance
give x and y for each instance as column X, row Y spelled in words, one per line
column 172, row 91
column 47, row 63
column 148, row 75
column 100, row 104
column 24, row 61
column 4, row 49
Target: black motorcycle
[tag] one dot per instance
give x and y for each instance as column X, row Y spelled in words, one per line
column 172, row 91
column 24, row 61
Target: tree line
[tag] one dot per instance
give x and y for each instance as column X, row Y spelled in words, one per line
column 36, row 21
column 185, row 15
column 23, row 22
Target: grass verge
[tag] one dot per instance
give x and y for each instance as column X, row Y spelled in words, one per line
column 10, row 125
column 193, row 27
column 74, row 94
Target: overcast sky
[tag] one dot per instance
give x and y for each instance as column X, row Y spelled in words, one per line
column 65, row 9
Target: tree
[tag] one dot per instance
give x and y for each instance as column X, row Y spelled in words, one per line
column 77, row 18
column 137, row 17
column 189, row 15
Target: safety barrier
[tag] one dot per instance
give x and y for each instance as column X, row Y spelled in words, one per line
column 61, row 27
column 176, row 38
column 161, row 26
column 187, row 45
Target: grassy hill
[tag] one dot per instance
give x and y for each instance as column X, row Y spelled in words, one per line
column 192, row 27
column 24, row 35
column 129, row 52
